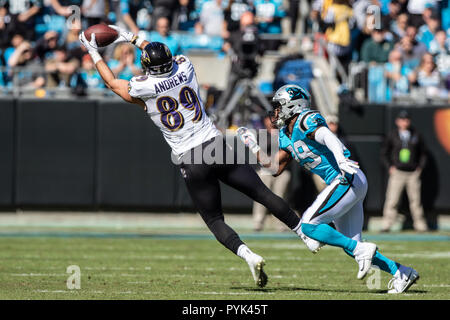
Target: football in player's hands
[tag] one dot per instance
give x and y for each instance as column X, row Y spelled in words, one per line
column 104, row 35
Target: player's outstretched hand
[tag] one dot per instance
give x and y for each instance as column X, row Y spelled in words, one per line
column 91, row 46
column 348, row 166
column 124, row 35
column 248, row 138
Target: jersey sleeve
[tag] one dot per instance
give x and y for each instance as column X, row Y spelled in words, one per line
column 139, row 87
column 183, row 62
column 311, row 121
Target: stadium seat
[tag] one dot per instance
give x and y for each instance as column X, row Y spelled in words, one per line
column 49, row 22
column 199, row 42
column 295, row 71
column 377, row 83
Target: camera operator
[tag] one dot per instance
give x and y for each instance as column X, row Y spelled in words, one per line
column 244, row 47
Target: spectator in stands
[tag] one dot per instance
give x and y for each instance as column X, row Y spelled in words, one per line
column 339, row 19
column 292, row 13
column 403, row 154
column 54, row 16
column 21, row 57
column 59, row 68
column 427, row 32
column 377, row 48
column 427, row 76
column 211, row 20
column 163, row 34
column 129, row 11
column 16, row 41
column 87, row 77
column 164, row 8
column 440, row 44
column 93, row 11
column 440, row 48
column 123, row 62
column 62, row 8
column 399, row 26
column 185, row 19
column 268, row 15
column 419, row 48
column 411, row 50
column 278, row 185
column 18, row 16
column 396, row 74
column 233, row 12
column 394, row 8
column 416, row 9
column 45, row 46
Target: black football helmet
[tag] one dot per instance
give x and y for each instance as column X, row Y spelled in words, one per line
column 156, row 59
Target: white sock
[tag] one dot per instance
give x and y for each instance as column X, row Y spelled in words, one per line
column 298, row 229
column 244, row 252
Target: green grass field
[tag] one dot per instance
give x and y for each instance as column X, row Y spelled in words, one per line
column 34, row 267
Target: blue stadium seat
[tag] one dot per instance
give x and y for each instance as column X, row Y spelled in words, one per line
column 199, row 42
column 377, row 84
column 49, row 22
column 296, row 71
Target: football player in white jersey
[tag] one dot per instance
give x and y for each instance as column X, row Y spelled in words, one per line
column 169, row 93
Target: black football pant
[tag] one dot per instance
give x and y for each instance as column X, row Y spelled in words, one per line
column 202, row 181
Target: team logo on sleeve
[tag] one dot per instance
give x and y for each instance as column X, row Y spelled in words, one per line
column 317, row 119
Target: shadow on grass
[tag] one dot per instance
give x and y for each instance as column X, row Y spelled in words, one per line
column 288, row 289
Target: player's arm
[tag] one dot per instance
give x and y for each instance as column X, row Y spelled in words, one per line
column 279, row 163
column 324, row 136
column 118, row 86
column 127, row 36
column 275, row 165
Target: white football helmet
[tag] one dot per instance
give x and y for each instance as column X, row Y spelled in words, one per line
column 288, row 101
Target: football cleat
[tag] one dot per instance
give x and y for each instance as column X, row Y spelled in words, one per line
column 407, row 277
column 364, row 253
column 256, row 264
column 313, row 245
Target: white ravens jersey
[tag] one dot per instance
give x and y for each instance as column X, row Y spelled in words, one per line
column 173, row 102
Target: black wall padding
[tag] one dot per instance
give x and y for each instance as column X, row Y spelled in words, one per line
column 362, row 119
column 134, row 167
column 56, row 143
column 6, row 152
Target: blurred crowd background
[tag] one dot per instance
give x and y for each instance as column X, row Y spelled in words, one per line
column 385, row 52
column 379, row 50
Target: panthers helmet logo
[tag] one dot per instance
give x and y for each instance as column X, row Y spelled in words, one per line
column 296, row 93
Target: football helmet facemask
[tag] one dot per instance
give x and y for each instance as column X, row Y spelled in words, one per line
column 287, row 102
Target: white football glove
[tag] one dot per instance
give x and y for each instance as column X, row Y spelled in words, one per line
column 91, row 46
column 349, row 166
column 249, row 139
column 124, row 35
